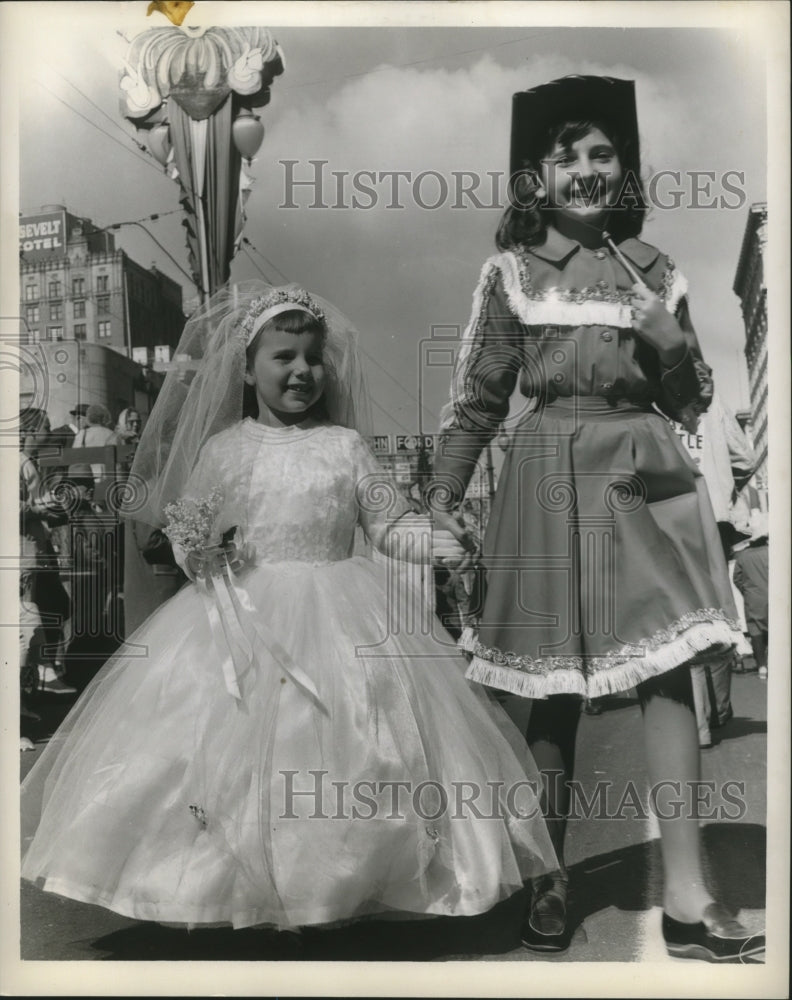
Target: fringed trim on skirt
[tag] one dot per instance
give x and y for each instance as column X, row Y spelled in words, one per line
column 708, row 638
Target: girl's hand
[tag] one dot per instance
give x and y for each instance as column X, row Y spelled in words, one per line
column 655, row 324
column 450, row 541
column 216, row 558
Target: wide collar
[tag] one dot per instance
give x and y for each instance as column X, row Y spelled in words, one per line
column 557, row 248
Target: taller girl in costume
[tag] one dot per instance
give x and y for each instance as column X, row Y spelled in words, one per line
column 604, row 569
column 264, row 749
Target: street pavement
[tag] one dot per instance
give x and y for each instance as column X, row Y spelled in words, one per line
column 615, row 871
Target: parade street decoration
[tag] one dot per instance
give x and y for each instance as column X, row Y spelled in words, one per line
column 174, row 10
column 194, row 91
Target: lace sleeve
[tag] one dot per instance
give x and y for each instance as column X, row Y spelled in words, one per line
column 380, row 503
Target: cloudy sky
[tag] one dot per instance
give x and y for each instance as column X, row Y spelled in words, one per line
column 408, row 98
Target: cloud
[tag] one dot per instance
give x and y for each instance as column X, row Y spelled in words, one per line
column 419, row 119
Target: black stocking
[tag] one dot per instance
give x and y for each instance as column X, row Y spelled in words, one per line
column 551, row 734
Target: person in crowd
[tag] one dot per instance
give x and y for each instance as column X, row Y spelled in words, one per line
column 604, row 569
column 751, row 575
column 31, row 641
column 40, row 579
column 174, row 791
column 94, row 553
column 128, row 426
column 97, row 432
column 727, row 462
column 65, row 434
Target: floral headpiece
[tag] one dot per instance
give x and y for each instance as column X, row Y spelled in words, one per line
column 281, row 300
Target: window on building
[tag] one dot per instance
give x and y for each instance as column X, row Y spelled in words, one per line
column 101, row 283
column 55, row 291
column 104, row 328
column 56, row 310
column 54, row 333
column 78, row 286
column 103, row 304
column 32, row 314
column 79, row 309
column 34, row 337
column 31, row 292
column 79, row 331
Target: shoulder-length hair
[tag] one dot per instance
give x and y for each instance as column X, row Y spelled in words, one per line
column 524, row 222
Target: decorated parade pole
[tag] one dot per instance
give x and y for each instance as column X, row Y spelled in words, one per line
column 195, row 91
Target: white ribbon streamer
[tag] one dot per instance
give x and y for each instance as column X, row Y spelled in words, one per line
column 235, row 650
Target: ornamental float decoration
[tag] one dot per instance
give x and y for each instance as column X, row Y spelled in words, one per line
column 195, row 91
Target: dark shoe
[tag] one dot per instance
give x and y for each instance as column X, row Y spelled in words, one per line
column 727, row 717
column 56, row 686
column 546, row 927
column 718, row 937
column 592, row 706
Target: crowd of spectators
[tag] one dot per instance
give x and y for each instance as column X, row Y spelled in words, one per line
column 71, row 551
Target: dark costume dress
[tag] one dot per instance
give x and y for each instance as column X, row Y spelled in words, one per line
column 602, row 557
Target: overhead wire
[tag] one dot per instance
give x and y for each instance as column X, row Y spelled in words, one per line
column 257, row 266
column 274, row 266
column 101, row 111
column 149, row 163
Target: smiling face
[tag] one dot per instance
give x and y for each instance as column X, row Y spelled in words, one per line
column 287, row 371
column 582, row 175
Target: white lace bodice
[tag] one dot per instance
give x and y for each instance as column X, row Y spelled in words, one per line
column 297, row 493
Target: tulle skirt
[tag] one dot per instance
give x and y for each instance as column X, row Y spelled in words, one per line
column 402, row 791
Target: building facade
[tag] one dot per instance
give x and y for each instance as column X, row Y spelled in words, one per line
column 749, row 286
column 76, row 286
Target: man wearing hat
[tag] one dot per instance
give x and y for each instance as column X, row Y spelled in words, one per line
column 65, row 434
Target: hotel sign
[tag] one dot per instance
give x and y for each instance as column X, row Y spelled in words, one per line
column 42, row 236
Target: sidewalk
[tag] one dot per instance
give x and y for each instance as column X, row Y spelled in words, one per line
column 616, row 876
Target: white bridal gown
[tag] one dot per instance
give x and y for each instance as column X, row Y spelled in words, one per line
column 163, row 797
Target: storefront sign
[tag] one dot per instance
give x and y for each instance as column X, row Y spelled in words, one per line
column 415, row 442
column 692, row 443
column 381, row 444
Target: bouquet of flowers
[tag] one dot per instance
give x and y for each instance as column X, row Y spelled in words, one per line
column 191, row 527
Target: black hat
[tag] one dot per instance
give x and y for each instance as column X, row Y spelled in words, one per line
column 79, row 410
column 573, row 98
